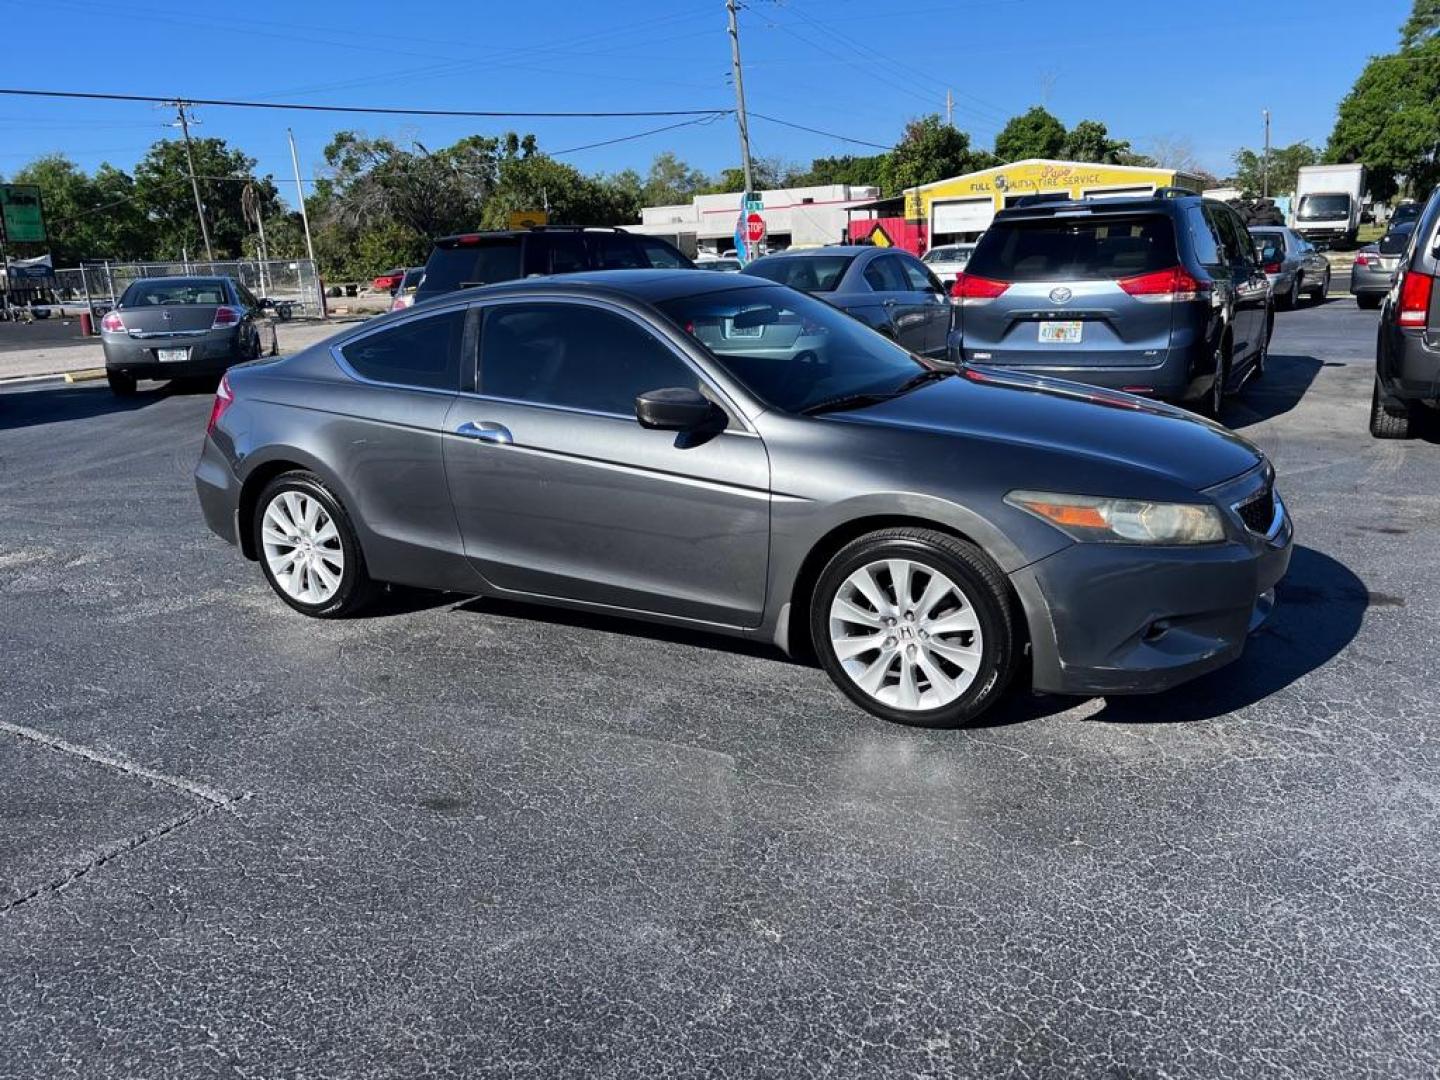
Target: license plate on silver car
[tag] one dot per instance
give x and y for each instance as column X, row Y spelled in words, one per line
column 172, row 356
column 1061, row 333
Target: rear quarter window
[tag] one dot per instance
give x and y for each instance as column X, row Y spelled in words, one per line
column 1067, row 249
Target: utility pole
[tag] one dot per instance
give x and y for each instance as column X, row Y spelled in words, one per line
column 194, row 184
column 740, row 116
column 1265, row 167
column 949, row 108
column 300, row 188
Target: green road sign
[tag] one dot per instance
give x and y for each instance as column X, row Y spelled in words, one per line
column 20, row 214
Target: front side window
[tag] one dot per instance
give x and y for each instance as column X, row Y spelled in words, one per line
column 574, row 356
column 790, row 350
column 917, row 277
column 422, row 352
column 886, row 275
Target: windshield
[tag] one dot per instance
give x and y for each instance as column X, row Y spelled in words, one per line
column 452, row 268
column 1323, row 207
column 790, row 350
column 1061, row 249
column 808, row 273
column 159, row 292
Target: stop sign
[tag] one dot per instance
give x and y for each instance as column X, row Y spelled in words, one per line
column 754, row 228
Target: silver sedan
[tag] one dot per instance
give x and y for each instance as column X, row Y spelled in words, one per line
column 1293, row 265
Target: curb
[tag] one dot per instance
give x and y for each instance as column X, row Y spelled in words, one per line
column 84, row 375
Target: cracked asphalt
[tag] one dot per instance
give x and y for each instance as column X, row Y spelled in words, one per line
column 462, row 838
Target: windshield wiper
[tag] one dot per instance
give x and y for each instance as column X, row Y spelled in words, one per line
column 859, row 401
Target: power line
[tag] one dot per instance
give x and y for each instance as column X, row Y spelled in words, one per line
column 638, row 135
column 372, row 109
column 817, row 131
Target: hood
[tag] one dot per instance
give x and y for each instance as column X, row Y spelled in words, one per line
column 1071, row 418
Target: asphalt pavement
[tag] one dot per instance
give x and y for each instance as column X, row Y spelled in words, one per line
column 464, row 838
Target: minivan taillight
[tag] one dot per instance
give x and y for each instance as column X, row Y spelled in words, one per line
column 1163, row 286
column 1415, row 289
column 973, row 287
column 225, row 316
column 113, row 323
column 224, row 398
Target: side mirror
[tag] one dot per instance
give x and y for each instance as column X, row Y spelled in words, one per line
column 674, row 409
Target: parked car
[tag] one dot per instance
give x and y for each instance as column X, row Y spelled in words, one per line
column 718, row 263
column 1162, row 297
column 582, row 442
column 1375, row 264
column 488, row 258
column 1407, row 355
column 389, row 281
column 1292, row 264
column 405, row 293
column 948, row 260
column 891, row 291
column 179, row 327
column 1409, row 211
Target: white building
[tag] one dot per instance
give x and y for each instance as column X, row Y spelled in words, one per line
column 794, row 217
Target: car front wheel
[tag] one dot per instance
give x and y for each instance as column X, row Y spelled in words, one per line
column 915, row 626
column 307, row 548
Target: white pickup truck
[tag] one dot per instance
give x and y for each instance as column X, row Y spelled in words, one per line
column 1327, row 204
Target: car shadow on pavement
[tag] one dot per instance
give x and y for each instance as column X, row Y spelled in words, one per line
column 58, row 405
column 1320, row 607
column 1286, row 380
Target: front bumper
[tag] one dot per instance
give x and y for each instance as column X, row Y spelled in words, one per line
column 1122, row 619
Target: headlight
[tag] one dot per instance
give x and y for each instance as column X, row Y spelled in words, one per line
column 1124, row 521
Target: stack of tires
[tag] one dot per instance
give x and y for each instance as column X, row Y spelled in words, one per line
column 1258, row 211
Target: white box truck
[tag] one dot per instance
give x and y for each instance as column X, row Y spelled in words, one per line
column 1327, row 204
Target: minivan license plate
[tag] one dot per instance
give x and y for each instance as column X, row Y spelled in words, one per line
column 1061, row 333
column 172, row 356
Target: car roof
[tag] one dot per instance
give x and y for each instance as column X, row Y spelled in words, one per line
column 833, row 249
column 1099, row 207
column 209, row 279
column 650, row 286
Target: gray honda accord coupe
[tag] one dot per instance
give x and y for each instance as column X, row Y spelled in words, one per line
column 729, row 454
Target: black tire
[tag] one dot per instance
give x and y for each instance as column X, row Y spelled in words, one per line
column 1262, row 359
column 356, row 589
column 122, row 383
column 983, row 586
column 1291, row 300
column 1213, row 403
column 1385, row 424
column 1368, row 300
column 1320, row 295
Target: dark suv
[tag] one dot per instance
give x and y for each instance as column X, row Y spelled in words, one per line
column 487, row 258
column 1407, row 354
column 1162, row 296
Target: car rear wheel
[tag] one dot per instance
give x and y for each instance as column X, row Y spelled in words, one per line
column 1214, row 402
column 1368, row 300
column 308, row 549
column 915, row 626
column 1291, row 299
column 1385, row 424
column 122, row 383
column 1322, row 294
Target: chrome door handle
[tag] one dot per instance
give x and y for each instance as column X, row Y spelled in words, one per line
column 485, row 431
column 889, row 303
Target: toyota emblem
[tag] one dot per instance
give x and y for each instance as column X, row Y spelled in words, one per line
column 1060, row 295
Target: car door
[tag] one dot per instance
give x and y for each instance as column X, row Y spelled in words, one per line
column 559, row 491
column 933, row 300
column 902, row 311
column 1249, row 288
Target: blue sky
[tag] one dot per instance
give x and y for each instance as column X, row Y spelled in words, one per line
column 1152, row 71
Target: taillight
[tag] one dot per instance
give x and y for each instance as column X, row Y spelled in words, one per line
column 972, row 287
column 468, row 239
column 225, row 316
column 401, row 302
column 224, row 398
column 113, row 323
column 1272, row 268
column 1362, row 259
column 1163, row 285
column 1415, row 291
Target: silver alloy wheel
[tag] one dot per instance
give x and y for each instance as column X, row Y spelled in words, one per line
column 906, row 634
column 302, row 547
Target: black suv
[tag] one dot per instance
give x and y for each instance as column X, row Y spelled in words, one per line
column 486, row 258
column 1162, row 296
column 1407, row 354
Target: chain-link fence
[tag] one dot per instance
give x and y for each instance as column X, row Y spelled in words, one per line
column 293, row 285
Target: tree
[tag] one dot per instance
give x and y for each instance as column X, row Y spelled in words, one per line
column 1390, row 120
column 929, row 150
column 1034, row 134
column 1422, row 25
column 846, row 169
column 671, row 181
column 86, row 217
column 1285, row 165
column 1177, row 152
column 1089, row 140
column 162, row 184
